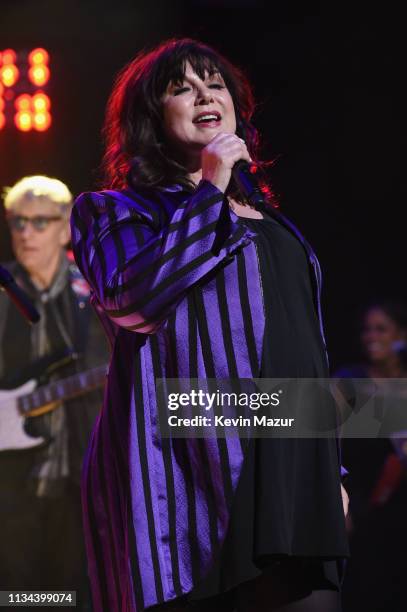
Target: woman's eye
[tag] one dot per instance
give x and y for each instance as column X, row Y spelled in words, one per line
column 180, row 90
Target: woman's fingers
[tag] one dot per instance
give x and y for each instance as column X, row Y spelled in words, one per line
column 220, row 155
column 228, row 148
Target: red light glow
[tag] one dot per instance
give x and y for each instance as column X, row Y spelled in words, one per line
column 39, row 75
column 38, row 56
column 9, row 74
column 32, row 106
column 23, row 121
column 42, row 121
column 9, row 95
column 8, row 56
column 41, row 102
column 23, row 102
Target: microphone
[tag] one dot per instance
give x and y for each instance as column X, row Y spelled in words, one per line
column 19, row 297
column 248, row 184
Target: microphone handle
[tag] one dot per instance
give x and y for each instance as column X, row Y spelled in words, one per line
column 248, row 184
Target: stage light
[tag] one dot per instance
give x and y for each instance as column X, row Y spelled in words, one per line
column 23, row 102
column 2, row 105
column 42, row 121
column 38, row 74
column 39, row 71
column 36, row 108
column 9, row 75
column 8, row 56
column 38, row 56
column 23, row 121
column 41, row 102
column 24, row 77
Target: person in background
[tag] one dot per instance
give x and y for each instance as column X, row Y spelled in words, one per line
column 377, row 479
column 40, row 511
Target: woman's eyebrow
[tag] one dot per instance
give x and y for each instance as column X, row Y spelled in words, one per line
column 174, row 84
column 187, row 79
column 216, row 75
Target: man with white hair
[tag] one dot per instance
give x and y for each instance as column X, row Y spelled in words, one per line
column 37, row 210
column 40, row 513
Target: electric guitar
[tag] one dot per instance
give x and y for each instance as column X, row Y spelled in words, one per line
column 29, row 400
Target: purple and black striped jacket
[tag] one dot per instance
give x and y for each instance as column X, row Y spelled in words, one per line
column 178, row 284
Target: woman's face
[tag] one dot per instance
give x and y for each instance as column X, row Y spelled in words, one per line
column 195, row 111
column 379, row 333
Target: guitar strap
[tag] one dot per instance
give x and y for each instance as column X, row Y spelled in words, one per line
column 83, row 310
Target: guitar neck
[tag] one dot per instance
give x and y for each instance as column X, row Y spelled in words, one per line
column 64, row 389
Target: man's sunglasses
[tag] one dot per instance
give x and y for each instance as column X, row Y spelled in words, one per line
column 40, row 223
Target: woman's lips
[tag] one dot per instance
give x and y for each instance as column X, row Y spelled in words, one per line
column 208, row 118
column 208, row 124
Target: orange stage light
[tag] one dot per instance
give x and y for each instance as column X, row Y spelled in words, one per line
column 8, row 56
column 23, row 121
column 23, row 102
column 38, row 56
column 9, row 74
column 38, row 74
column 41, row 102
column 32, row 108
column 42, row 121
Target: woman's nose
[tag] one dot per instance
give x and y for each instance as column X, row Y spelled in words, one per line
column 204, row 96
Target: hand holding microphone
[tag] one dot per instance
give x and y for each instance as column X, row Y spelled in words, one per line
column 220, row 156
column 225, row 155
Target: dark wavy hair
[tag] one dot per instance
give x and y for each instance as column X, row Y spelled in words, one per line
column 136, row 152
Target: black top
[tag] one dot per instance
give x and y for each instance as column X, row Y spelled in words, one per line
column 288, row 500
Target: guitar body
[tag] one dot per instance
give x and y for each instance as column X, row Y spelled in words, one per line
column 12, row 434
column 31, row 400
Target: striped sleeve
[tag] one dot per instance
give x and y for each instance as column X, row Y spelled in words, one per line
column 139, row 274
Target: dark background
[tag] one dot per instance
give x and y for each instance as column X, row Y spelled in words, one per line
column 329, row 88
